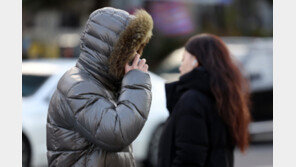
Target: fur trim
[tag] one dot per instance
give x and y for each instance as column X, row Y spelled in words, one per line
column 134, row 38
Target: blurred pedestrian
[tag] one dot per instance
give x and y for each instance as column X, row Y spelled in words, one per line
column 101, row 104
column 208, row 107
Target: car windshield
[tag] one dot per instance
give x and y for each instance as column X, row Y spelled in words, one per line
column 31, row 84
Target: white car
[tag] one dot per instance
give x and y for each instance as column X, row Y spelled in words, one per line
column 40, row 78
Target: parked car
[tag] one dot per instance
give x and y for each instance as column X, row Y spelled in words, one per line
column 40, row 78
column 254, row 56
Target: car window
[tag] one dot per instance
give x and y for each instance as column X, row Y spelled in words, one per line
column 31, row 83
column 173, row 69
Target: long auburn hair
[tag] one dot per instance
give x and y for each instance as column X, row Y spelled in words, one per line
column 228, row 85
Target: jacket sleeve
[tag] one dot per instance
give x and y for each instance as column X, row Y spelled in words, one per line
column 112, row 126
column 191, row 141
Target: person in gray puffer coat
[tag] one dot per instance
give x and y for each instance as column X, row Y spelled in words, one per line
column 101, row 105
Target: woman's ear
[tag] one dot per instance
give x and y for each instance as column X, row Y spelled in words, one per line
column 195, row 63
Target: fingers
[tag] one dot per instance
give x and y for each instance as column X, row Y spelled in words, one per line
column 136, row 60
column 126, row 68
column 137, row 64
column 142, row 63
column 145, row 68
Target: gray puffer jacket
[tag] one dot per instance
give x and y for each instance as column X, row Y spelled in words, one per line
column 97, row 111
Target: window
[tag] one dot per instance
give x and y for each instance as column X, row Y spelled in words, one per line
column 31, row 83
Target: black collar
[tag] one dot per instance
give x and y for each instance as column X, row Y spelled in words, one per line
column 197, row 79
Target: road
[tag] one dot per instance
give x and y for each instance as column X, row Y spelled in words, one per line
column 258, row 155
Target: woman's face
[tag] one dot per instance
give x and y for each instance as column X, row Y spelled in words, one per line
column 188, row 63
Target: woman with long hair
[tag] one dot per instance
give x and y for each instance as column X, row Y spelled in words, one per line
column 209, row 108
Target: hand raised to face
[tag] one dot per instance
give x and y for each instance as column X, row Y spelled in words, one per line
column 138, row 63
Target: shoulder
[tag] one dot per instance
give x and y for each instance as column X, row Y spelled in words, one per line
column 194, row 102
column 76, row 81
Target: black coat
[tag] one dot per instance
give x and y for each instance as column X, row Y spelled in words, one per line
column 194, row 134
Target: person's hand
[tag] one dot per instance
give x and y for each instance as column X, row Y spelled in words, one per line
column 137, row 65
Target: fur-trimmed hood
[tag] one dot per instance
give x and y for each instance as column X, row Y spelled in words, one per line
column 110, row 39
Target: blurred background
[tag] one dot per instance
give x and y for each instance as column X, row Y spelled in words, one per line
column 50, row 45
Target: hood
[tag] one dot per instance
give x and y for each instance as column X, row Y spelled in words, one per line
column 110, row 39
